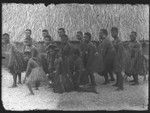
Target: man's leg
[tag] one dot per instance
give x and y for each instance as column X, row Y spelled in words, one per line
column 135, row 77
column 120, row 81
column 111, row 76
column 14, row 81
column 105, row 74
column 30, row 88
column 19, row 78
column 37, row 84
column 92, row 78
column 116, row 84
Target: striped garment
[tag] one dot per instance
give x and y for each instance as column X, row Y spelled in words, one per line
column 16, row 62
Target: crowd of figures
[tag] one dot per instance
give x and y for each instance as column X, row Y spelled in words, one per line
column 66, row 68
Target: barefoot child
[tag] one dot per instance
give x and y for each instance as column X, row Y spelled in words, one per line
column 34, row 72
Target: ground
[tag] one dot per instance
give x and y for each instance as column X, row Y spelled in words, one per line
column 132, row 98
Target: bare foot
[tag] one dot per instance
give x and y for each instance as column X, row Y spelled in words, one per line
column 13, row 86
column 30, row 94
column 19, row 83
column 36, row 88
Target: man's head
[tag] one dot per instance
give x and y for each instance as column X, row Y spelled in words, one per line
column 61, row 32
column 79, row 35
column 133, row 35
column 103, row 34
column 87, row 36
column 45, row 32
column 5, row 38
column 47, row 39
column 114, row 32
column 28, row 32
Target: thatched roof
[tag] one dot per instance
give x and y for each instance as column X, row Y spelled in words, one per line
column 74, row 17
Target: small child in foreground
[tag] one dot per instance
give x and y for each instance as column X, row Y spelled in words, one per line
column 34, row 72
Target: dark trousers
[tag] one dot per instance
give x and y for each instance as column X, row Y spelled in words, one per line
column 105, row 74
column 119, row 80
column 135, row 77
column 111, row 75
column 37, row 84
column 92, row 78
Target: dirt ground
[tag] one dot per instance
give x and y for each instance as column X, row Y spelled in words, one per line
column 132, row 98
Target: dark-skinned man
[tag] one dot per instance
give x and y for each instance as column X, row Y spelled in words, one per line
column 90, row 52
column 106, row 49
column 118, row 66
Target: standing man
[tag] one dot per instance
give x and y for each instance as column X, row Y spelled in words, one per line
column 118, row 60
column 90, row 51
column 136, row 65
column 65, row 54
column 76, row 68
column 106, row 49
column 28, row 42
column 28, row 46
column 45, row 33
column 50, row 47
column 82, row 48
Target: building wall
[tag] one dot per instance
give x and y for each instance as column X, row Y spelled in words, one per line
column 73, row 17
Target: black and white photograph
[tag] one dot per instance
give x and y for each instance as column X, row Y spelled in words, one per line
column 75, row 57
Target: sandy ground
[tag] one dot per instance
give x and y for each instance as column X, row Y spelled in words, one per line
column 132, row 98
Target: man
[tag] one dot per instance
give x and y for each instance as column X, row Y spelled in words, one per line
column 28, row 46
column 82, row 48
column 137, row 63
column 76, row 68
column 65, row 46
column 51, row 53
column 118, row 59
column 45, row 33
column 65, row 54
column 90, row 51
column 61, row 32
column 82, row 45
column 107, row 51
column 15, row 62
column 27, row 41
column 28, row 33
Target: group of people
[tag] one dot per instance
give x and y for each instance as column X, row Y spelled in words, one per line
column 66, row 67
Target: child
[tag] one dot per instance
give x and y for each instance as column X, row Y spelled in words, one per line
column 34, row 72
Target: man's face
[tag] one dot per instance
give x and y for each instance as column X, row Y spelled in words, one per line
column 61, row 33
column 101, row 35
column 132, row 36
column 4, row 39
column 28, row 33
column 86, row 38
column 114, row 33
column 79, row 36
column 44, row 34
